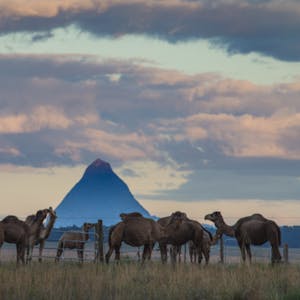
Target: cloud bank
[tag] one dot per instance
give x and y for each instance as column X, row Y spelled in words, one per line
column 67, row 111
column 239, row 26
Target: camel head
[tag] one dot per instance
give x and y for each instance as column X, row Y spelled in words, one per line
column 214, row 217
column 41, row 214
column 87, row 226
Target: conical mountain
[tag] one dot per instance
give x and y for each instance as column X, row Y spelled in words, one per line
column 100, row 194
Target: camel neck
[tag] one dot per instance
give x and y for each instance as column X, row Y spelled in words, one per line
column 46, row 231
column 223, row 228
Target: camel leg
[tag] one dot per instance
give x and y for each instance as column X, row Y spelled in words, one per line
column 173, row 255
column 80, row 255
column 248, row 249
column 206, row 255
column 59, row 253
column 151, row 246
column 194, row 255
column 42, row 244
column 276, row 256
column 199, row 252
column 178, row 253
column 117, row 253
column 163, row 252
column 108, row 254
column 145, row 252
column 20, row 253
column 29, row 254
column 191, row 253
column 242, row 249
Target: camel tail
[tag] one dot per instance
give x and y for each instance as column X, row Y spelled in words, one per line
column 279, row 235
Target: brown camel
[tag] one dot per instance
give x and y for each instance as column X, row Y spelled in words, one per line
column 74, row 240
column 135, row 231
column 44, row 230
column 24, row 236
column 179, row 231
column 174, row 250
column 205, row 250
column 250, row 230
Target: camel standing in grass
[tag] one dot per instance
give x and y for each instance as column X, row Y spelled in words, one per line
column 74, row 240
column 250, row 230
column 179, row 231
column 205, row 249
column 174, row 250
column 24, row 236
column 44, row 230
column 136, row 231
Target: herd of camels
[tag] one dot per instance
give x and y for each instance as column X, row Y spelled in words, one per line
column 137, row 231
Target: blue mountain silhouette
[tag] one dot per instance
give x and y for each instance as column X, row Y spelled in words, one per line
column 100, row 194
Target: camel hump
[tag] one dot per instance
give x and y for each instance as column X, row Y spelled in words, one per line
column 11, row 219
column 126, row 216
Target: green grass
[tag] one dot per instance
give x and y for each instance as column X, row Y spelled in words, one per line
column 130, row 280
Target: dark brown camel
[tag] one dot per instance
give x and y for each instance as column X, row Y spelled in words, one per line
column 24, row 236
column 250, row 230
column 174, row 250
column 44, row 230
column 179, row 231
column 74, row 240
column 135, row 231
column 205, row 250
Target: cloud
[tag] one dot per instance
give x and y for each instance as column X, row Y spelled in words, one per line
column 266, row 27
column 68, row 111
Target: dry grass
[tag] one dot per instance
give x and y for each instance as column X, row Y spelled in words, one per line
column 151, row 281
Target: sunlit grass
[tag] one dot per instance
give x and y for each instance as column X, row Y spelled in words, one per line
column 130, row 280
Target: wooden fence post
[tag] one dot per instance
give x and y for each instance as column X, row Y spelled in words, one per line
column 99, row 231
column 221, row 250
column 286, row 253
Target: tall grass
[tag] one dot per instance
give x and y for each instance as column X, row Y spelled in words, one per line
column 131, row 280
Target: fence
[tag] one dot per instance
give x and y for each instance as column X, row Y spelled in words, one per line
column 96, row 245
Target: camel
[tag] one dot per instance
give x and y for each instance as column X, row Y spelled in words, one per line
column 178, row 231
column 174, row 250
column 250, row 230
column 135, row 231
column 44, row 230
column 74, row 240
column 22, row 234
column 205, row 250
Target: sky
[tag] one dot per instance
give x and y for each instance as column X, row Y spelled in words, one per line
column 194, row 103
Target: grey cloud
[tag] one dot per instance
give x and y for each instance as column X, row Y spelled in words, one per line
column 269, row 27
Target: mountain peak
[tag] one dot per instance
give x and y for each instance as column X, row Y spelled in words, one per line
column 98, row 166
column 99, row 194
column 99, row 163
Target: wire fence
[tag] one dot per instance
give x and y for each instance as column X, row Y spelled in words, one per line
column 97, row 245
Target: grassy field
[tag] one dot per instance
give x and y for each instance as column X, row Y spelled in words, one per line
column 150, row 281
